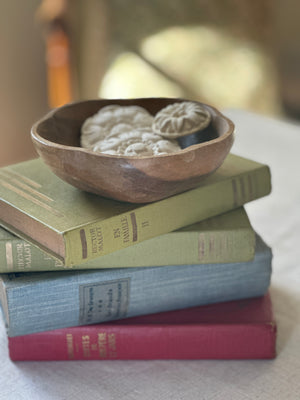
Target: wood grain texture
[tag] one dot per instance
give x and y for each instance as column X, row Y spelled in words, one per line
column 131, row 179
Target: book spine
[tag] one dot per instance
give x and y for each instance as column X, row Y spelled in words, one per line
column 100, row 238
column 148, row 342
column 227, row 245
column 18, row 255
column 62, row 299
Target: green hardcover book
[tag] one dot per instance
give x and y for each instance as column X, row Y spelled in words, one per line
column 76, row 226
column 226, row 238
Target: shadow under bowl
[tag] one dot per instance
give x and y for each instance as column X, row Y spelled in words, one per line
column 134, row 179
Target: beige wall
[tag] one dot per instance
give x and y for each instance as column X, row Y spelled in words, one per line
column 23, row 95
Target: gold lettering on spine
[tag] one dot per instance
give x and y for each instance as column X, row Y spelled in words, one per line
column 9, row 256
column 86, row 346
column 27, row 255
column 107, row 345
column 96, row 240
column 102, row 345
column 125, row 229
column 112, row 345
column 70, row 346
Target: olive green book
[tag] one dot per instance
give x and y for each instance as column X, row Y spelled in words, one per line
column 226, row 238
column 76, row 226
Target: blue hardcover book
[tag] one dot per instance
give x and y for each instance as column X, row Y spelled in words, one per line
column 35, row 302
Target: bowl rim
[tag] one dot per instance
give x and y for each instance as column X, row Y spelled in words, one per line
column 38, row 138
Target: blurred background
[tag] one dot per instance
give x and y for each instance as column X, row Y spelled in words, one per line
column 228, row 53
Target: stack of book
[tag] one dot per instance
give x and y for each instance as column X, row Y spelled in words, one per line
column 84, row 277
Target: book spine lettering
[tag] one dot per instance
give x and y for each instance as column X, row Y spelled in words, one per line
column 81, row 298
column 155, row 219
column 199, row 341
column 222, row 239
column 226, row 246
column 18, row 255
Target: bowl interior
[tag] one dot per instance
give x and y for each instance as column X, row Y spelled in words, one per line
column 63, row 125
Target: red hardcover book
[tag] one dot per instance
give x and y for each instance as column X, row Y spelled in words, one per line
column 243, row 329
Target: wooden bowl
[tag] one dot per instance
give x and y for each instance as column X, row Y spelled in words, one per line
column 131, row 179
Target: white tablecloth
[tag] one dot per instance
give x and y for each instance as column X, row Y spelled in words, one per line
column 277, row 219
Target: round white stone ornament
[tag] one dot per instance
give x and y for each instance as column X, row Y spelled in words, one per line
column 180, row 119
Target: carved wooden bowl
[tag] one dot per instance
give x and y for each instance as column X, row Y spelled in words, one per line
column 136, row 179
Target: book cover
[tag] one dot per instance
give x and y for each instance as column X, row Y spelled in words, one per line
column 35, row 302
column 76, row 226
column 226, row 238
column 242, row 329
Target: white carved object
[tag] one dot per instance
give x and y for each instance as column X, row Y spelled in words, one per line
column 180, row 119
column 119, row 130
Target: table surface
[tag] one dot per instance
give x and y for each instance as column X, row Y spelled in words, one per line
column 277, row 219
